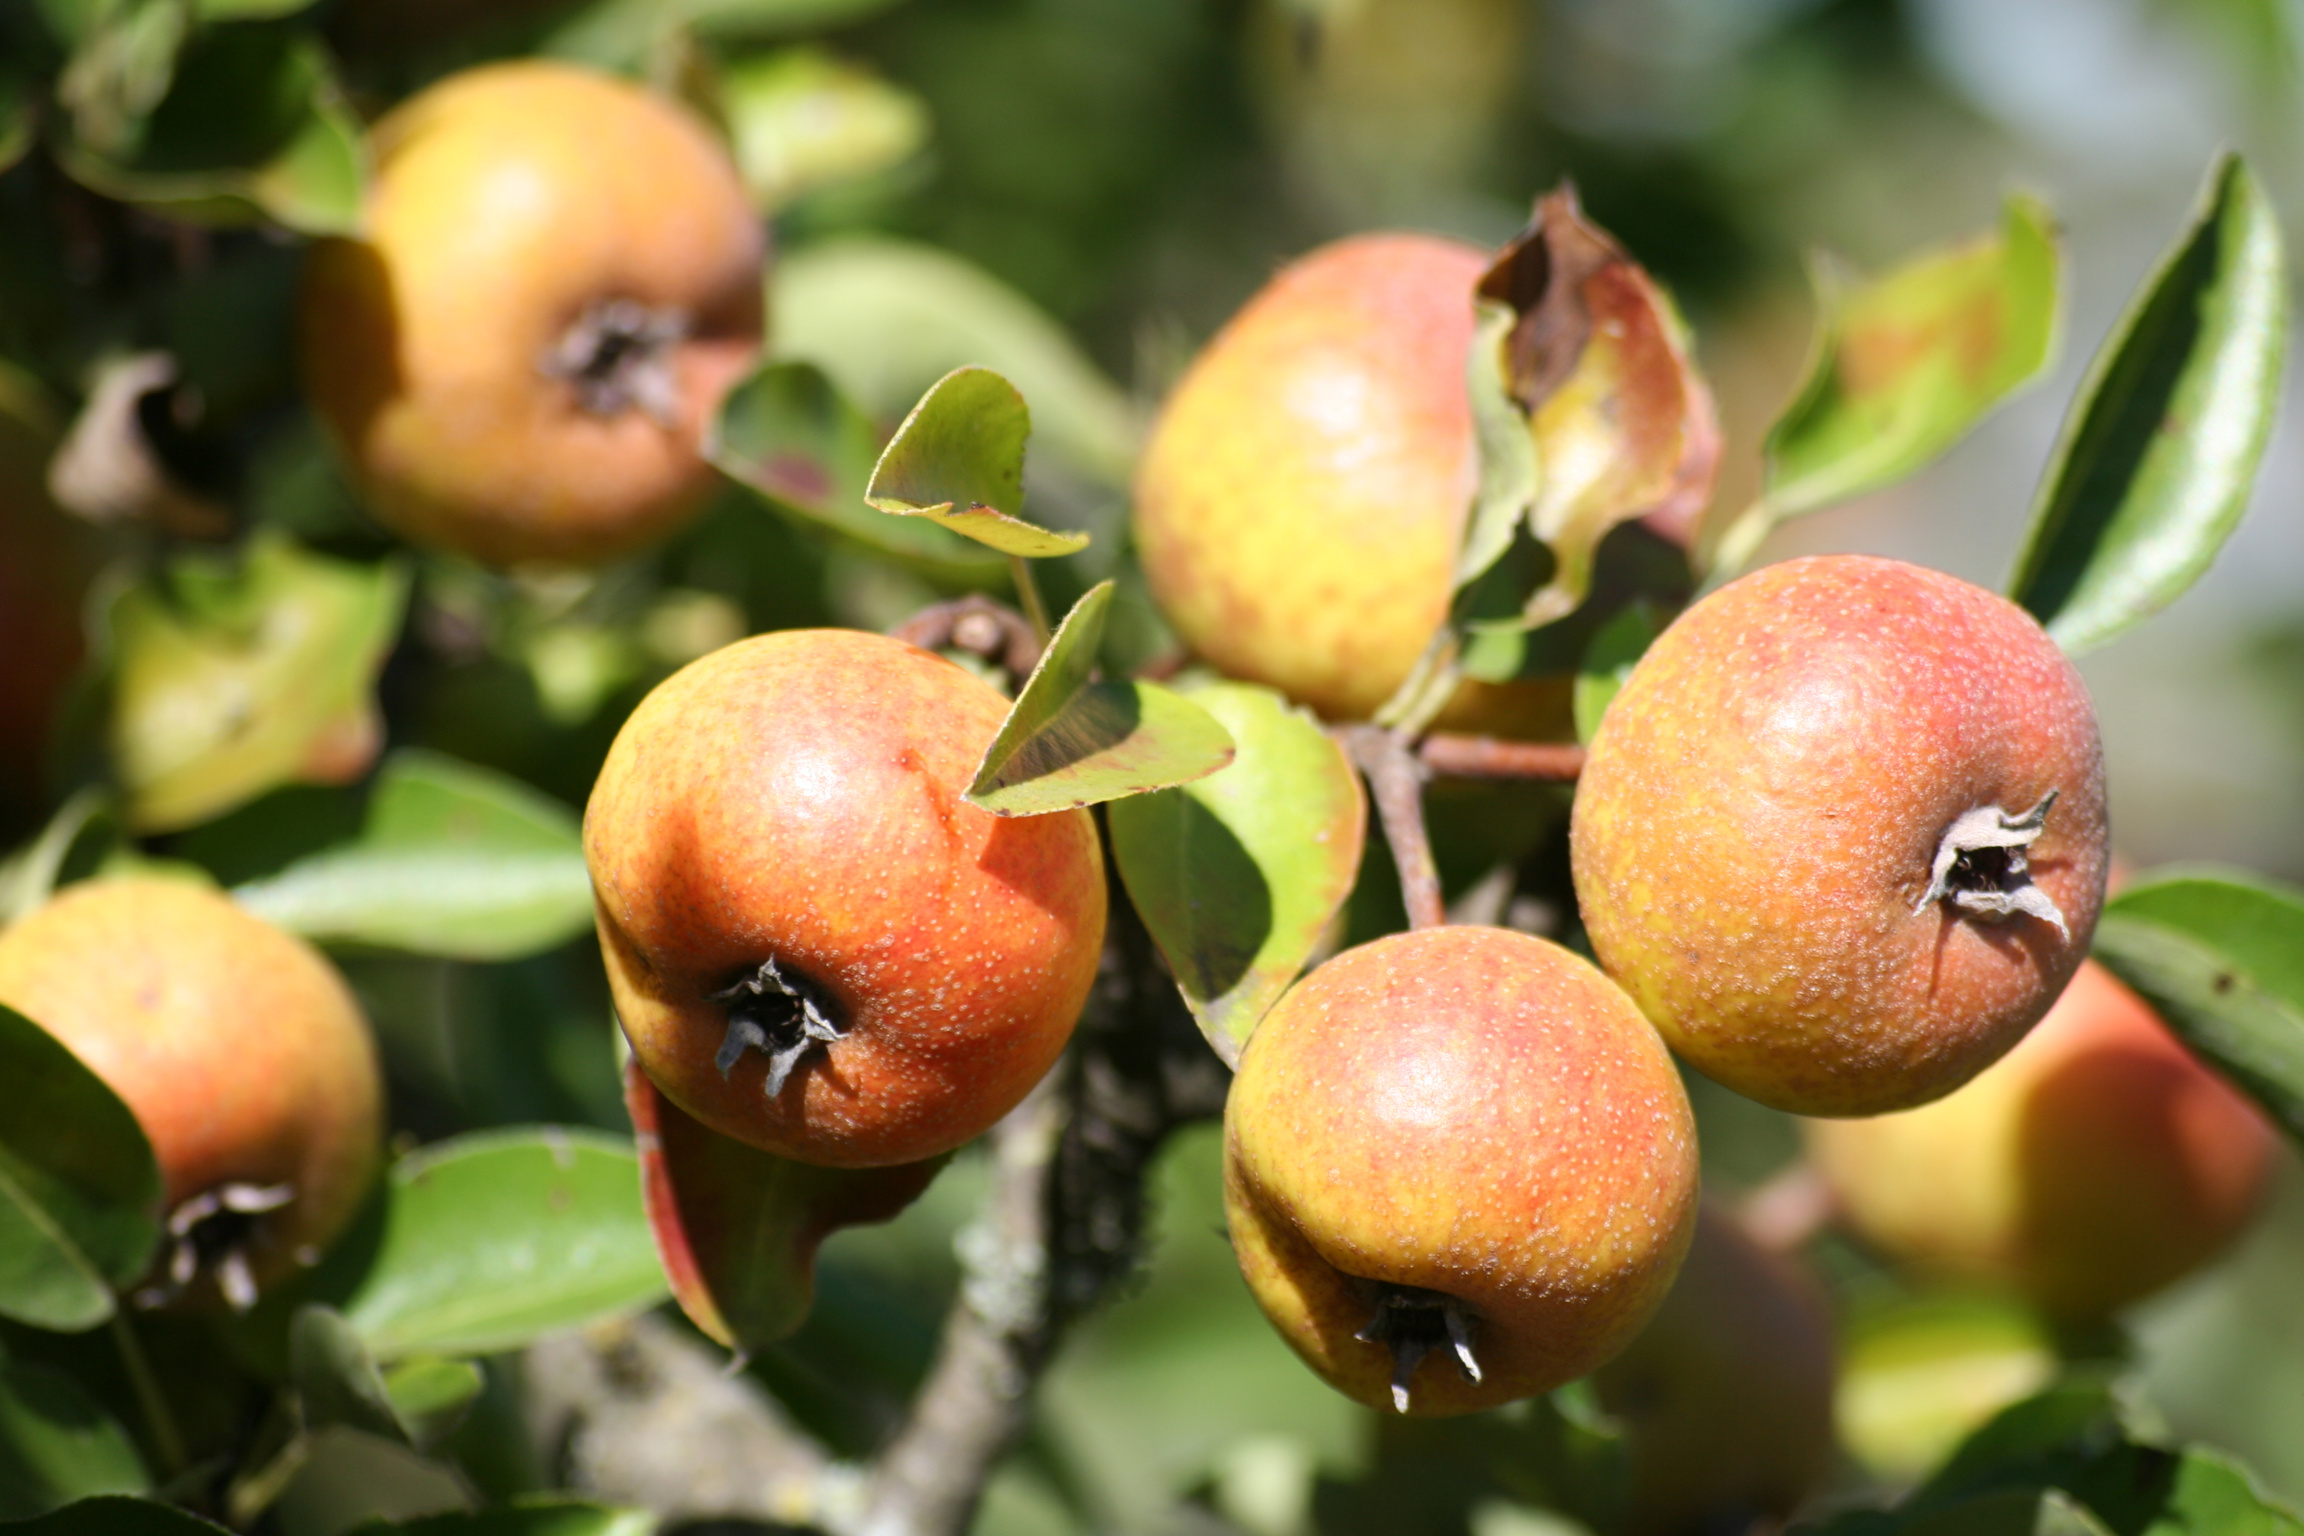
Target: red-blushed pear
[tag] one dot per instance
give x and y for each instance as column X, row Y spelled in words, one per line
column 1842, row 833
column 815, row 944
column 557, row 277
column 2096, row 1163
column 1726, row 1395
column 239, row 1050
column 1459, row 1169
column 1301, row 500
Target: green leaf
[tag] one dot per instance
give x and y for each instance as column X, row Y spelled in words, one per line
column 958, row 460
column 1905, row 365
column 1069, row 741
column 2160, row 449
column 888, row 319
column 430, row 1396
column 545, row 1517
column 738, row 1228
column 248, row 10
column 454, row 860
column 2221, row 955
column 79, row 1189
column 230, row 677
column 18, row 117
column 1609, row 660
column 253, row 127
column 788, row 433
column 56, row 1444
column 491, row 1240
column 631, row 34
column 70, row 847
column 115, row 1515
column 336, row 1379
column 1238, row 874
column 800, row 119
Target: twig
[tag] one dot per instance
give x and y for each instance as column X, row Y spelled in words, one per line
column 166, row 1440
column 1028, row 596
column 1396, row 779
column 1485, row 757
column 979, row 626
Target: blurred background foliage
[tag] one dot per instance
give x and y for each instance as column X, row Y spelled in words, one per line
column 1077, row 192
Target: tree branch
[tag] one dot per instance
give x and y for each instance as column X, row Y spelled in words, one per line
column 979, row 626
column 1485, row 757
column 1396, row 782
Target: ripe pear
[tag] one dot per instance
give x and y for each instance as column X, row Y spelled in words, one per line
column 557, row 278
column 1726, row 1396
column 1302, row 496
column 1842, row 833
column 816, row 946
column 1459, row 1169
column 239, row 1050
column 2098, row 1162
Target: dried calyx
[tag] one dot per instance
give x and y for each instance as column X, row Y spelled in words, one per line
column 215, row 1233
column 1412, row 1322
column 783, row 1015
column 617, row 356
column 1983, row 867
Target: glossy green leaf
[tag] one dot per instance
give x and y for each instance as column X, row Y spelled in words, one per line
column 551, row 1517
column 231, row 677
column 738, row 1228
column 2160, row 450
column 958, row 460
column 788, row 433
column 631, row 34
column 115, row 1515
column 253, row 127
column 1903, row 366
column 57, row 1445
column 79, row 1190
column 800, row 119
column 430, row 1396
column 888, row 319
column 454, row 860
column 1609, row 660
column 2221, row 955
column 337, row 1380
column 1070, row 741
column 1237, row 874
column 491, row 1240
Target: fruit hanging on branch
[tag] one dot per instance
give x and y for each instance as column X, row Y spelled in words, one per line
column 239, row 1050
column 1459, row 1169
column 558, row 278
column 1842, row 834
column 2095, row 1164
column 815, row 944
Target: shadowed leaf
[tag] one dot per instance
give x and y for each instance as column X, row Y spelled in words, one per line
column 958, row 460
column 2220, row 954
column 528, row 1518
column 2161, row 447
column 116, row 1515
column 737, row 1228
column 56, row 1444
column 1069, row 741
column 1609, row 660
column 1902, row 367
column 788, row 433
column 337, row 1382
column 231, row 677
column 454, row 860
column 1237, row 875
column 79, row 1189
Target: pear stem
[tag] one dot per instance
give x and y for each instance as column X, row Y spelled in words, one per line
column 1396, row 783
column 1484, row 757
column 1028, row 597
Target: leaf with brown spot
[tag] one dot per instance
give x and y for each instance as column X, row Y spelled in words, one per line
column 958, row 461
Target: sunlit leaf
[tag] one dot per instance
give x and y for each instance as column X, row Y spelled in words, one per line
column 56, row 1444
column 1920, row 1377
column 252, row 127
column 888, row 319
column 800, row 119
column 788, row 433
column 629, row 34
column 230, row 677
column 737, row 1228
column 79, row 1189
column 454, row 860
column 491, row 1240
column 1609, row 660
column 430, row 1396
column 958, row 460
column 1237, row 874
column 2163, row 440
column 1070, row 741
column 2220, row 953
column 1902, row 367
